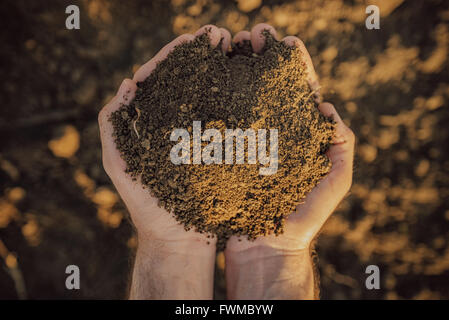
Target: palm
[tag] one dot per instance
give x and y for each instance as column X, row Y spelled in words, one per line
column 303, row 224
column 146, row 215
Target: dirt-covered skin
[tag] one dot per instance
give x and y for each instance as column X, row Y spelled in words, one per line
column 239, row 90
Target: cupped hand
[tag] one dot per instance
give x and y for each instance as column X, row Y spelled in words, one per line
column 150, row 220
column 303, row 225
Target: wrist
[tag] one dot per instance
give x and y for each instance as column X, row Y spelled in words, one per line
column 267, row 273
column 172, row 270
column 181, row 246
column 262, row 253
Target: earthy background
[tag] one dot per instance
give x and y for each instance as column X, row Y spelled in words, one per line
column 58, row 207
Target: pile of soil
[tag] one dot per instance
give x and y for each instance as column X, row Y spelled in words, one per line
column 240, row 89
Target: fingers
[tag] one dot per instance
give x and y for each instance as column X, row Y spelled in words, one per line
column 213, row 33
column 312, row 77
column 145, row 70
column 112, row 161
column 258, row 42
column 226, row 36
column 242, row 36
column 257, row 37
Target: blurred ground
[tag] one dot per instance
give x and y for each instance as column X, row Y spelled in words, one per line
column 57, row 206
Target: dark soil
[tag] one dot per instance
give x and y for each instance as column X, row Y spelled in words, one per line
column 238, row 90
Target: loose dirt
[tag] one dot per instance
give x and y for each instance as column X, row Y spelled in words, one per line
column 240, row 89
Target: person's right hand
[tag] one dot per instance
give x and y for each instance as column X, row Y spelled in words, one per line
column 150, row 220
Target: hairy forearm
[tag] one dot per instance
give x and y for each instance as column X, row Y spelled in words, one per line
column 261, row 273
column 172, row 271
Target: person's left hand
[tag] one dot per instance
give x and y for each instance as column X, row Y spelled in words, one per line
column 275, row 259
column 302, row 225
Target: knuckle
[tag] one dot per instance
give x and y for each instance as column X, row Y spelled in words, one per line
column 259, row 28
column 211, row 27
